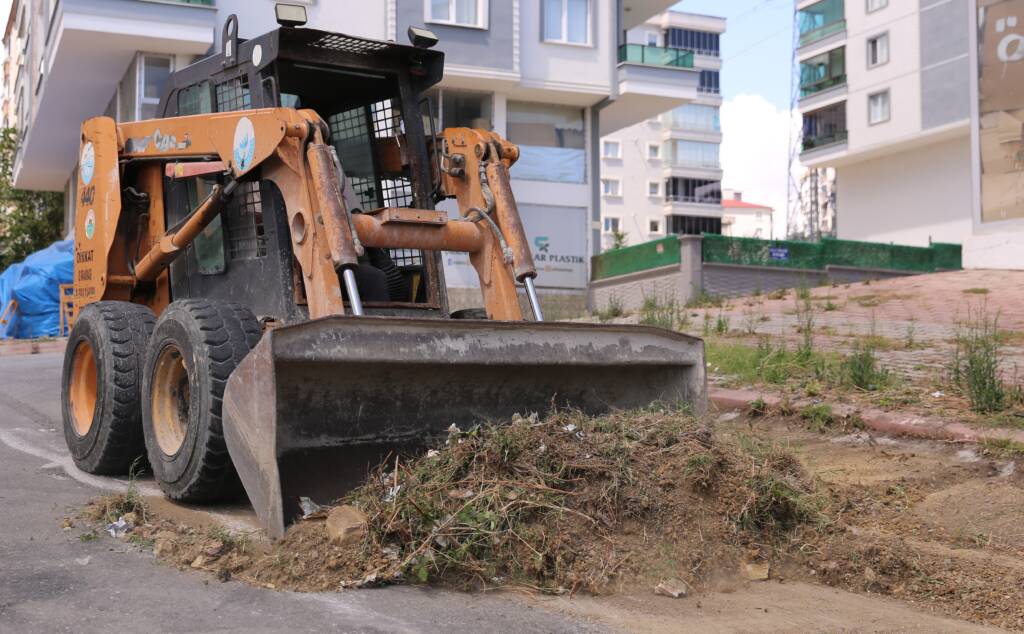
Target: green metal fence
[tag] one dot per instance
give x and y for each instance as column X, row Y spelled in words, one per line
column 792, row 254
column 649, row 255
column 830, row 252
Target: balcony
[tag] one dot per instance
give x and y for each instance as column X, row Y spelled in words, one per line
column 812, row 143
column 817, row 21
column 655, row 56
column 651, row 80
column 822, row 84
column 88, row 47
column 820, row 33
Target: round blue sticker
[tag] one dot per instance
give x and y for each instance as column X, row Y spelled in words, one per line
column 87, row 165
column 245, row 144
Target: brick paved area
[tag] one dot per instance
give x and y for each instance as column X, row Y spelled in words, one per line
column 926, row 309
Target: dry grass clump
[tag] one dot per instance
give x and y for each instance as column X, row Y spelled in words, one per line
column 571, row 502
column 568, row 503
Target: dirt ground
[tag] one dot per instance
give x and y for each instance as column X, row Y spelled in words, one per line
column 921, row 536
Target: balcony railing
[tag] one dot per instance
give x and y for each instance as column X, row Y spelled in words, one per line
column 695, row 164
column 839, row 136
column 822, row 84
column 656, row 56
column 822, row 32
column 693, row 200
column 709, row 90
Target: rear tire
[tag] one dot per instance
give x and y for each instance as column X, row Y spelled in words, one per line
column 100, row 386
column 195, row 347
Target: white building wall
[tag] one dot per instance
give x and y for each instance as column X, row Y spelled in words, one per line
column 909, row 197
column 900, row 75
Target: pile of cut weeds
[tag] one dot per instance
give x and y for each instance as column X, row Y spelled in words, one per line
column 569, row 503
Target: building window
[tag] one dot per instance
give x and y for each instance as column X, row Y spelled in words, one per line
column 693, row 116
column 822, row 72
column 694, row 225
column 653, row 188
column 878, row 50
column 693, row 190
column 471, row 13
column 611, row 225
column 825, row 126
column 693, row 154
column 551, row 142
column 654, row 226
column 700, row 42
column 567, row 21
column 819, row 20
column 875, row 5
column 457, row 109
column 878, row 107
column 611, row 149
column 611, row 187
column 653, row 151
column 708, row 82
column 154, row 73
column 652, row 39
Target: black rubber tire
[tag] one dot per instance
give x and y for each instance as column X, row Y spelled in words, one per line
column 118, row 333
column 212, row 338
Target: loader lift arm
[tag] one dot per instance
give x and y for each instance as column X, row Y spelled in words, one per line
column 289, row 146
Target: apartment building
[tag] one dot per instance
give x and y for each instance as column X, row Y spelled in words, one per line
column 662, row 175
column 550, row 75
column 886, row 100
column 744, row 219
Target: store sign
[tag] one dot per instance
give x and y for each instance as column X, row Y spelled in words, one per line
column 778, row 253
column 558, row 240
column 999, row 129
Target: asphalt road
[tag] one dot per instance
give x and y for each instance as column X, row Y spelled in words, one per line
column 50, row 581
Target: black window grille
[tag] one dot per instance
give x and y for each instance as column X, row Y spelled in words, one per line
column 694, row 225
column 244, row 219
column 349, row 44
column 700, row 42
column 234, row 94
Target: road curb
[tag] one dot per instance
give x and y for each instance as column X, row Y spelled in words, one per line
column 15, row 347
column 878, row 420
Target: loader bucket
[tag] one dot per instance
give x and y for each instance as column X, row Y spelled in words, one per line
column 316, row 405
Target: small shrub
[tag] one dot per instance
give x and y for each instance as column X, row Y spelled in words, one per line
column 861, row 369
column 705, row 300
column 779, row 293
column 818, row 416
column 721, row 324
column 805, row 315
column 758, row 408
column 613, row 310
column 655, row 313
column 975, row 363
column 976, row 291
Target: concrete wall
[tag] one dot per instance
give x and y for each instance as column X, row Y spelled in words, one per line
column 692, row 276
column 908, row 197
column 554, row 304
column 945, row 67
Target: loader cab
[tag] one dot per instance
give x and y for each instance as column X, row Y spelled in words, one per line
column 370, row 95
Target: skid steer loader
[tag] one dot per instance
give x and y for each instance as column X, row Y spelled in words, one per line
column 259, row 300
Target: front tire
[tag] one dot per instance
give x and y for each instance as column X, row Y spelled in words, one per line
column 100, row 386
column 195, row 347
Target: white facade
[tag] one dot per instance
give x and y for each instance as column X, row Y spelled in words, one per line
column 744, row 219
column 886, row 102
column 663, row 174
column 546, row 74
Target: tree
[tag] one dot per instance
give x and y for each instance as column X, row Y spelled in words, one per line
column 619, row 239
column 29, row 220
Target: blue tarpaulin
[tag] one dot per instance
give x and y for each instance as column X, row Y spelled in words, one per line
column 35, row 285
